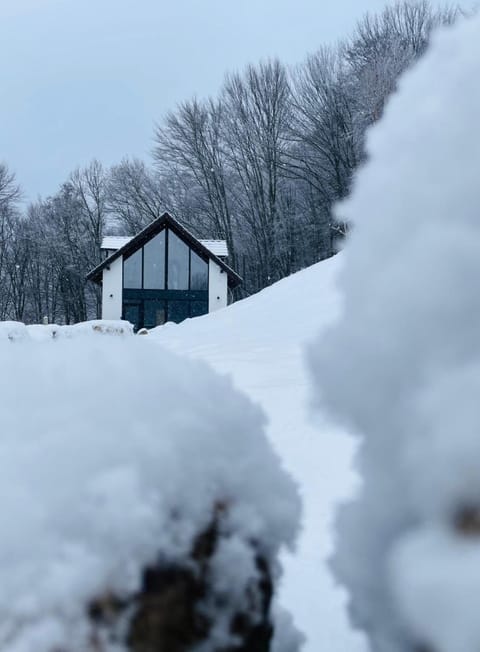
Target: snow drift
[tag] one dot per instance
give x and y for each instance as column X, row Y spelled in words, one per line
column 15, row 330
column 401, row 367
column 118, row 456
column 260, row 341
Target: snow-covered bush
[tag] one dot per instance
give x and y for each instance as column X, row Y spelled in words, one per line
column 401, row 368
column 133, row 484
column 13, row 331
column 118, row 328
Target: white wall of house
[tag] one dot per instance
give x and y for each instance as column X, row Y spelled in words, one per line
column 112, row 290
column 217, row 287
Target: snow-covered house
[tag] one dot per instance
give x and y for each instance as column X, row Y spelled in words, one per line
column 164, row 273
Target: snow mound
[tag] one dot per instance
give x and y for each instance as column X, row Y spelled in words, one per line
column 93, row 327
column 119, row 454
column 13, row 331
column 402, row 365
column 289, row 311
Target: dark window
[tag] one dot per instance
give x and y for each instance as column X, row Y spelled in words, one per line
column 178, row 266
column 131, row 313
column 198, row 272
column 164, row 281
column 178, row 311
column 198, row 308
column 132, row 271
column 154, row 313
column 154, row 263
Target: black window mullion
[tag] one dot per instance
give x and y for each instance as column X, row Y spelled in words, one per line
column 189, row 268
column 167, row 239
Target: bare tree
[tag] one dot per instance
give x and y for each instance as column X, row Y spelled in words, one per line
column 384, row 45
column 191, row 144
column 135, row 195
column 43, row 286
column 325, row 149
column 255, row 132
column 90, row 188
column 10, row 195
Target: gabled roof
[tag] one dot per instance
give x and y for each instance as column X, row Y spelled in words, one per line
column 148, row 233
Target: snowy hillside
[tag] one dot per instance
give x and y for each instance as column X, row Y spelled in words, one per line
column 261, row 342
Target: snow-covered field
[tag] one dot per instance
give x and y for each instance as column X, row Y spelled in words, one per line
column 261, row 343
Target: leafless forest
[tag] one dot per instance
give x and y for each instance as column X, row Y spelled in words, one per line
column 261, row 165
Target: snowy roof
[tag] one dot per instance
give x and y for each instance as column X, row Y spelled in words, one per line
column 217, row 247
column 115, row 241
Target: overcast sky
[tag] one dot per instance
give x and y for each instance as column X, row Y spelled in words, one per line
column 83, row 79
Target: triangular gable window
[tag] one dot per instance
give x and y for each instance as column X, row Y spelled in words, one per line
column 165, row 280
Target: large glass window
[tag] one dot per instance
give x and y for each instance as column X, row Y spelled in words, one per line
column 154, row 263
column 178, row 263
column 178, row 311
column 198, row 308
column 198, row 272
column 157, row 289
column 154, row 313
column 148, row 313
column 131, row 313
column 132, row 271
column 185, row 269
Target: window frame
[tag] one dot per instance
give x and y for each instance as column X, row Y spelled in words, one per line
column 189, row 296
column 166, row 288
column 164, row 231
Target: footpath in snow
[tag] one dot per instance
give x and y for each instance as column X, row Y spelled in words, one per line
column 261, row 343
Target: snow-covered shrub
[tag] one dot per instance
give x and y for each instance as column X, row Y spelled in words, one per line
column 99, row 327
column 118, row 328
column 126, row 471
column 12, row 331
column 402, row 366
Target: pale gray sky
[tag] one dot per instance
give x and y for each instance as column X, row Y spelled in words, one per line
column 88, row 78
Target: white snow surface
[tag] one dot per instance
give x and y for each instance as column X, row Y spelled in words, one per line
column 115, row 452
column 401, row 366
column 260, row 343
column 12, row 331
